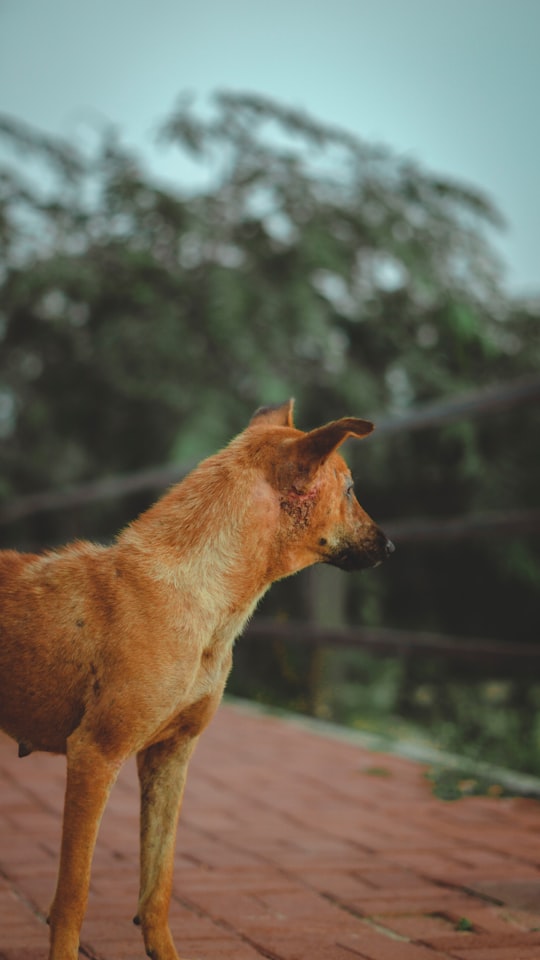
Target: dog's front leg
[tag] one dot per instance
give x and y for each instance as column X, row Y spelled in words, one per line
column 90, row 776
column 162, row 773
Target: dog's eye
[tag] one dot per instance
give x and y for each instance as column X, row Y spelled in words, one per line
column 349, row 492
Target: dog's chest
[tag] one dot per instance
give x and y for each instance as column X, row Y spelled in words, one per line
column 209, row 683
column 215, row 664
column 198, row 678
column 216, row 655
column 197, row 706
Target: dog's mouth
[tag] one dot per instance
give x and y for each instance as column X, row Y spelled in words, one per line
column 354, row 557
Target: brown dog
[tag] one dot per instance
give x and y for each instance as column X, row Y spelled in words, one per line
column 111, row 651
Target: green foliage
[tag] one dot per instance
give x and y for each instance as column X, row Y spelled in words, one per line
column 142, row 323
column 452, row 784
column 481, row 716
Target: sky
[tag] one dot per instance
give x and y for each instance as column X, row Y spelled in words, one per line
column 451, row 84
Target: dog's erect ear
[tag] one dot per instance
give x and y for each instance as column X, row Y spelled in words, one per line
column 315, row 447
column 279, row 415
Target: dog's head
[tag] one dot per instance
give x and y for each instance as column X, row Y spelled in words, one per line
column 320, row 519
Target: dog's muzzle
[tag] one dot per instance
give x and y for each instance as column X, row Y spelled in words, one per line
column 361, row 556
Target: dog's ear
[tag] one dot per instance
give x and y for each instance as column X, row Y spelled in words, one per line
column 315, row 447
column 279, row 415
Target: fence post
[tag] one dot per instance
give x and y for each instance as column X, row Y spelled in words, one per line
column 325, row 603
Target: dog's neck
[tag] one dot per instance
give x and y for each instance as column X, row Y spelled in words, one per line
column 200, row 530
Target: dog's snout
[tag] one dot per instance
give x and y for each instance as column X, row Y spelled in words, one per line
column 363, row 552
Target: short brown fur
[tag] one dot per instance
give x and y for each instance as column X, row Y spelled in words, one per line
column 110, row 652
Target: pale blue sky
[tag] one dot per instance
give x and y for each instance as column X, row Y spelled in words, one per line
column 454, row 84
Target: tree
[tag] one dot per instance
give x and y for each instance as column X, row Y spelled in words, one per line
column 142, row 324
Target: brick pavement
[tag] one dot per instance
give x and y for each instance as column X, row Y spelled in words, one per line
column 292, row 846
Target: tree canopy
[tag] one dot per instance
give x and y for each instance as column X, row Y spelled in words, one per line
column 142, row 322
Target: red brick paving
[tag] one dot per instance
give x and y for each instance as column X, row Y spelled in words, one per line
column 292, row 846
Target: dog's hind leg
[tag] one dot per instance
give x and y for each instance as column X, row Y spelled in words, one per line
column 162, row 773
column 90, row 776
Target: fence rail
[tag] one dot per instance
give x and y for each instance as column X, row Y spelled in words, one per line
column 511, row 523
column 382, row 641
column 472, row 404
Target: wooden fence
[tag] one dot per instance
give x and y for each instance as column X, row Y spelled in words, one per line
column 503, row 658
column 381, row 641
